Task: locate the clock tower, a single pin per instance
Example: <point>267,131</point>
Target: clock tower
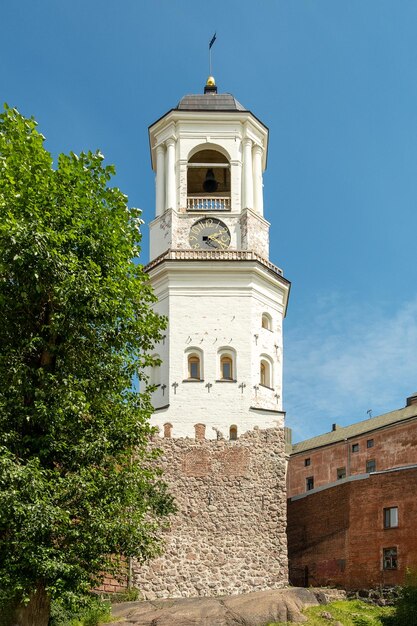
<point>218,390</point>
<point>209,246</point>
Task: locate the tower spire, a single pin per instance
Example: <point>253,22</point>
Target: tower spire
<point>210,86</point>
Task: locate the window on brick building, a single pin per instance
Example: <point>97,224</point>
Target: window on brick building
<point>309,483</point>
<point>370,466</point>
<point>391,517</point>
<point>389,560</point>
<point>307,462</point>
<point>370,443</point>
<point>355,447</point>
<point>341,473</point>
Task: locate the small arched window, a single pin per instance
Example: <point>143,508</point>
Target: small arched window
<point>266,321</point>
<point>155,377</point>
<point>265,373</point>
<point>226,363</point>
<point>226,367</point>
<point>233,433</point>
<point>194,367</point>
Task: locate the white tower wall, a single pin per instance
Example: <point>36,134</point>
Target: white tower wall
<point>213,311</point>
<point>215,299</point>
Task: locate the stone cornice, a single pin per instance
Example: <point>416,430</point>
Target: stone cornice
<point>214,255</point>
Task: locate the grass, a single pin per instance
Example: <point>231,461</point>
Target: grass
<point>347,612</point>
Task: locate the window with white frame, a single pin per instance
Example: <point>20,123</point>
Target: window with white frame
<point>266,321</point>
<point>391,517</point>
<point>194,367</point>
<point>265,372</point>
<point>390,558</point>
<point>226,367</point>
<point>193,364</point>
<point>227,364</point>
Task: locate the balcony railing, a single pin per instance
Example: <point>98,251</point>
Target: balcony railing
<point>212,203</point>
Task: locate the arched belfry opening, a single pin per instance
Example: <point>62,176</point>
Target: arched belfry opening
<point>208,181</point>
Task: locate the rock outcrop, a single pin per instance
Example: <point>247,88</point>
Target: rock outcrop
<point>251,609</point>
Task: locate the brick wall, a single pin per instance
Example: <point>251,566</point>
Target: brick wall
<point>317,535</point>
<point>338,533</point>
<point>229,533</point>
<point>393,446</point>
<point>115,585</point>
<point>111,585</point>
<point>367,536</point>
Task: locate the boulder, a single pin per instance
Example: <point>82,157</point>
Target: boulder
<point>251,609</point>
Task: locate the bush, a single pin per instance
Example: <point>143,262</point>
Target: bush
<point>405,613</point>
<point>91,612</point>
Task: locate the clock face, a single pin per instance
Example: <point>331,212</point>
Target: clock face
<point>209,234</point>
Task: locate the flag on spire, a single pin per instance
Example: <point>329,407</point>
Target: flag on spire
<point>213,39</point>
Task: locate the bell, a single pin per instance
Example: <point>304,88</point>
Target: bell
<point>210,184</point>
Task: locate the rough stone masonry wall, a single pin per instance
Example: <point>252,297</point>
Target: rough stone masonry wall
<point>228,535</point>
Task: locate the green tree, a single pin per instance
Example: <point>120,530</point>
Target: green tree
<point>77,478</point>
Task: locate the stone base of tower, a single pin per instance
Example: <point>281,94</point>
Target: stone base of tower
<point>229,534</point>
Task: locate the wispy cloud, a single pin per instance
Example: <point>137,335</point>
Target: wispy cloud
<point>350,359</point>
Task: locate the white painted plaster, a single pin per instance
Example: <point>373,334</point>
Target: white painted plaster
<point>215,306</point>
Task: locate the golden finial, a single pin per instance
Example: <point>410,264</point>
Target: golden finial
<point>210,82</point>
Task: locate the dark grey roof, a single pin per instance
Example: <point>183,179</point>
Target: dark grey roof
<point>210,102</point>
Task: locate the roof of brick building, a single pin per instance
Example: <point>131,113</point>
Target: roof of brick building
<point>340,433</point>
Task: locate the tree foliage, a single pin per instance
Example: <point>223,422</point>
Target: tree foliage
<point>77,482</point>
<point>405,611</point>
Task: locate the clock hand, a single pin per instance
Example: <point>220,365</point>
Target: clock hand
<point>216,235</point>
<point>215,240</point>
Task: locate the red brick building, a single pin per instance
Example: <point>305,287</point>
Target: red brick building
<point>352,508</point>
<point>379,443</point>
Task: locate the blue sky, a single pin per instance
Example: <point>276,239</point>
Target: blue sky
<point>336,83</point>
